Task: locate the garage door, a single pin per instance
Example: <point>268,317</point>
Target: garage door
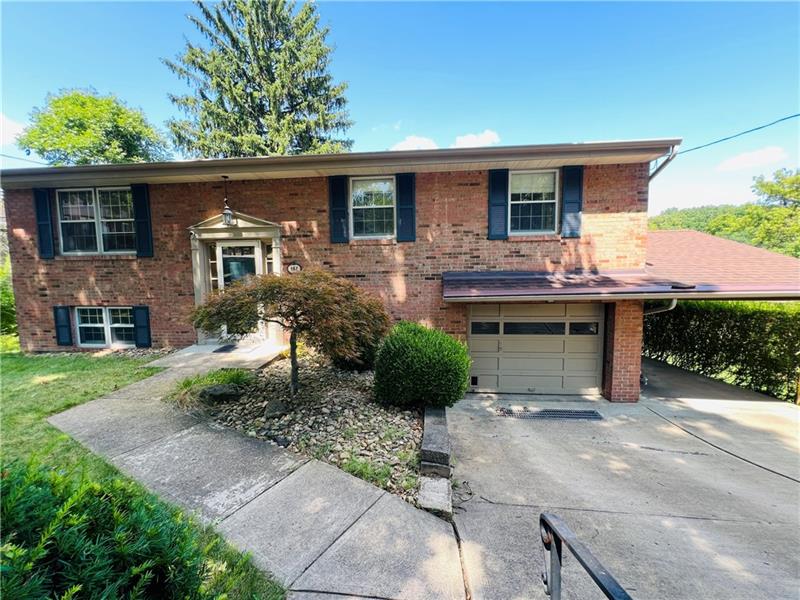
<point>536,348</point>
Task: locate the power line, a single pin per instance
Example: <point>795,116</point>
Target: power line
<point>30,160</point>
<point>730,137</point>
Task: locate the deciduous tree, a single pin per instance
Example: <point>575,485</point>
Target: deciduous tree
<point>81,127</point>
<point>331,314</point>
<point>783,189</point>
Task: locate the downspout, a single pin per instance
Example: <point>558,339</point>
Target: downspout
<point>654,310</point>
<point>673,152</point>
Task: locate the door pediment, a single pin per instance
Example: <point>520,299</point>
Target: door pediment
<point>244,226</point>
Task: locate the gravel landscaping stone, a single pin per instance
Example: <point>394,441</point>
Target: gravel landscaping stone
<point>333,418</point>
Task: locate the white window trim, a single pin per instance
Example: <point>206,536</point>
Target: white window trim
<point>106,325</point>
<point>388,236</point>
<point>98,220</point>
<point>556,221</point>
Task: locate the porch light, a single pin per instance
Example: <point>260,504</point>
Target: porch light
<point>227,213</point>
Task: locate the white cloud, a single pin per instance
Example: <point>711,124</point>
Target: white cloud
<point>472,140</point>
<point>415,142</point>
<point>9,130</point>
<point>750,160</point>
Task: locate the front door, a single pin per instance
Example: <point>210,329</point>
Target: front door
<point>231,261</point>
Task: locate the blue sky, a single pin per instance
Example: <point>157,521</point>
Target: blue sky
<point>424,75</point>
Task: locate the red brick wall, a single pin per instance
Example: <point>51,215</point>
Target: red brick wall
<point>451,236</point>
<point>623,352</point>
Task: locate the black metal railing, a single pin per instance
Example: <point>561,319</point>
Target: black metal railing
<point>555,535</point>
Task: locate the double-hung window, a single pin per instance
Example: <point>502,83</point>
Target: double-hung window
<point>96,221</point>
<point>533,202</point>
<point>101,327</point>
<point>372,207</point>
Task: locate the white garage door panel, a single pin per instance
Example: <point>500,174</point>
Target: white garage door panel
<point>582,365</point>
<point>484,345</point>
<point>531,384</point>
<point>533,310</point>
<point>485,363</point>
<point>533,345</point>
<point>581,344</point>
<point>530,363</point>
<point>536,348</point>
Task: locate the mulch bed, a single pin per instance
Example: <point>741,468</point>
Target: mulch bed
<point>333,418</point>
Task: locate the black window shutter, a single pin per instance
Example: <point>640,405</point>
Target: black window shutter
<point>498,204</point>
<point>61,314</point>
<point>406,207</point>
<point>337,194</point>
<point>44,223</point>
<point>141,326</point>
<point>141,215</point>
<point>571,201</point>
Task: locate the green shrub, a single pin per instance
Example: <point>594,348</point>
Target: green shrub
<point>91,540</point>
<point>752,344</point>
<point>8,310</point>
<point>187,390</point>
<point>417,366</point>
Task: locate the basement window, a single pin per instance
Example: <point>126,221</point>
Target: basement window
<point>100,327</point>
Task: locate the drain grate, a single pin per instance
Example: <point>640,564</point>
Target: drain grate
<point>550,413</point>
<point>226,348</point>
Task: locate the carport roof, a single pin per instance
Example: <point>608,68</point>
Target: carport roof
<point>680,264</point>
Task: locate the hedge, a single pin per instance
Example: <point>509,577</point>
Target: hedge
<point>416,366</point>
<point>751,344</point>
<point>63,539</point>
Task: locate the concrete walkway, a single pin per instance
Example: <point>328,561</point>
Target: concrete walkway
<point>319,531</point>
<point>691,493</point>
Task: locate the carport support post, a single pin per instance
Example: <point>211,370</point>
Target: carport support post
<point>623,350</point>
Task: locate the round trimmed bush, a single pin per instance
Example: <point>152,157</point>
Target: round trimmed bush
<point>416,366</point>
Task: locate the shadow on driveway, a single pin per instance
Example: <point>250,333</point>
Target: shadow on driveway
<point>691,493</point>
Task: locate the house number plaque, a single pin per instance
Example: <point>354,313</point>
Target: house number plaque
<point>294,267</point>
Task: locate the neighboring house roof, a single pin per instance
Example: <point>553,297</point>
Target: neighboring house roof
<point>680,264</point>
<point>354,163</point>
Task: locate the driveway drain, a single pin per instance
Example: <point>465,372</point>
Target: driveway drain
<point>550,413</point>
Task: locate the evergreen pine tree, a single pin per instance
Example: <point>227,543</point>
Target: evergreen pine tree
<point>261,85</point>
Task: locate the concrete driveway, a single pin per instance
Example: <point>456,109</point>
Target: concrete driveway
<point>694,492</point>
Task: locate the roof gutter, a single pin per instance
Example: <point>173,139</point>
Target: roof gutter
<point>776,295</point>
<point>673,152</point>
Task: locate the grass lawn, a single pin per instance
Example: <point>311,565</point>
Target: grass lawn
<point>35,387</point>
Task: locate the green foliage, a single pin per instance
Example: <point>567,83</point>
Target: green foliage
<point>751,344</point>
<point>261,86</point>
<point>417,366</point>
<point>364,469</point>
<point>783,189</point>
<point>9,342</point>
<point>81,127</point>
<point>775,228</point>
<point>330,314</point>
<point>8,309</point>
<point>696,218</point>
<point>187,391</point>
<point>37,386</point>
<point>104,540</point>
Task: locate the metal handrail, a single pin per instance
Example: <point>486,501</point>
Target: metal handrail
<point>555,534</point>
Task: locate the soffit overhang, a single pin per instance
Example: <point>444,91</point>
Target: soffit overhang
<point>356,163</point>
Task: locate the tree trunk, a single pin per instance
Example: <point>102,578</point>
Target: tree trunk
<point>293,386</point>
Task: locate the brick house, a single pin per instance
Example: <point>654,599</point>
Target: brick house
<point>537,256</point>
